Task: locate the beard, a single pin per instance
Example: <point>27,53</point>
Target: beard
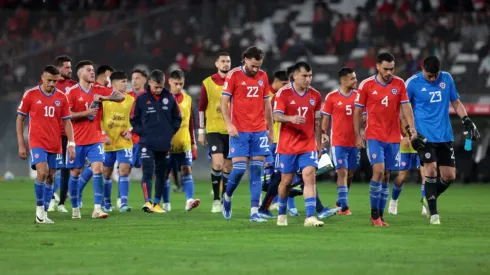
<point>224,71</point>
<point>65,76</point>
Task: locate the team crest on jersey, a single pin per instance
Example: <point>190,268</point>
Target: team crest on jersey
<point>165,101</point>
<point>57,103</point>
<point>261,83</point>
<point>394,91</point>
<point>442,85</point>
<point>67,89</point>
<point>312,102</point>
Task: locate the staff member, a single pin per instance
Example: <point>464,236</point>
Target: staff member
<point>156,119</point>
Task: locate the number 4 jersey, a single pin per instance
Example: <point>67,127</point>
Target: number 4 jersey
<point>382,104</point>
<point>295,139</point>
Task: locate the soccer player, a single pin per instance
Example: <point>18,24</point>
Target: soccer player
<point>102,75</point>
<point>246,93</point>
<point>382,95</point>
<point>84,101</point>
<point>183,144</point>
<point>212,128</point>
<point>46,106</point>
<point>117,141</point>
<point>156,119</point>
<point>297,107</point>
<point>338,110</point>
<point>430,92</point>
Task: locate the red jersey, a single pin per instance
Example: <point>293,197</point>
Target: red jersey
<point>382,104</point>
<point>45,112</point>
<point>247,99</point>
<point>134,137</point>
<point>295,139</point>
<point>340,109</point>
<point>86,131</point>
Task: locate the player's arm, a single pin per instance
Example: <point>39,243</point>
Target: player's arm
<point>226,95</point>
<point>360,104</point>
<point>407,113</point>
<point>318,132</point>
<point>19,129</point>
<point>268,116</point>
<point>203,106</point>
<point>192,130</point>
<point>326,117</point>
<point>112,96</point>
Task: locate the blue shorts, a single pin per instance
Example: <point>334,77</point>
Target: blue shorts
<point>180,159</point>
<point>92,153</point>
<point>345,157</point>
<point>249,145</point>
<point>55,161</point>
<point>270,159</point>
<point>122,156</point>
<point>409,161</point>
<point>291,164</point>
<point>136,156</point>
<point>385,152</point>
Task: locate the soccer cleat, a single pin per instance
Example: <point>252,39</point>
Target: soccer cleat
<point>393,208</point>
<point>345,212</point>
<point>75,213</point>
<point>167,207</point>
<point>266,214</point>
<point>191,204</point>
<point>293,212</point>
<point>425,207</point>
<point>52,205</point>
<point>383,222</point>
<point>118,203</point>
<point>61,208</point>
<point>147,207</point>
<point>328,212</point>
<point>107,208</point>
<point>377,222</point>
<point>46,219</point>
<point>80,204</point>
<point>424,211</point>
<point>282,220</point>
<point>256,218</point>
<point>216,206</point>
<point>125,208</point>
<point>226,209</point>
<point>56,197</point>
<point>158,209</point>
<point>274,206</point>
<point>313,221</point>
<point>434,219</point>
<point>99,214</point>
<point>39,214</point>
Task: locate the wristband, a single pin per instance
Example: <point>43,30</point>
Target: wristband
<point>71,143</point>
<point>201,131</point>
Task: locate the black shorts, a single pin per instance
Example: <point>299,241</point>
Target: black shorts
<point>440,152</point>
<point>218,143</point>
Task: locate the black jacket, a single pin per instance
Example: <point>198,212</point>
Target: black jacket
<point>156,119</point>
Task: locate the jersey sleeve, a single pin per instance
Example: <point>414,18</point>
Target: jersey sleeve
<point>65,108</point>
<point>267,92</point>
<point>361,97</point>
<point>25,105</point>
<point>453,93</point>
<point>229,85</point>
<point>403,95</point>
<point>409,87</point>
<point>327,106</point>
<point>69,97</point>
<point>279,103</point>
<point>106,91</point>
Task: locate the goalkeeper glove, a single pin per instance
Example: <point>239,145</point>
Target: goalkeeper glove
<point>418,142</point>
<point>470,130</point>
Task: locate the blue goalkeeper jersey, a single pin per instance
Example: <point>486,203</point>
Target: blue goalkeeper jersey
<point>430,102</point>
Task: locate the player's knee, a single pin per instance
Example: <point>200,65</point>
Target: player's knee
<point>124,170</point>
<point>449,177</point>
<point>75,172</point>
<point>309,174</point>
<point>97,168</point>
<point>342,173</point>
<point>42,174</point>
<point>186,170</point>
<point>218,166</point>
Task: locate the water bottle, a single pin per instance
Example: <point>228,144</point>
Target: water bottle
<point>95,104</point>
<point>467,143</point>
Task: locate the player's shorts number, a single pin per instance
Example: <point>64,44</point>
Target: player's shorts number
<point>188,154</point>
<point>348,110</point>
<point>49,111</point>
<point>435,96</point>
<point>128,153</point>
<point>397,159</point>
<point>253,91</point>
<point>264,142</point>
<point>302,111</point>
<point>384,101</point>
<point>101,150</point>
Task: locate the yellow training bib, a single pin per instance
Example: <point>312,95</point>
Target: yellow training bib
<point>214,119</point>
<point>181,142</point>
<point>115,119</point>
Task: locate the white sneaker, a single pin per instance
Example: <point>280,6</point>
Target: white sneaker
<point>46,219</point>
<point>75,213</point>
<point>99,214</point>
<point>40,214</point>
<point>61,208</point>
<point>274,206</point>
<point>52,205</point>
<point>313,221</point>
<point>393,208</point>
<point>56,197</point>
<point>191,204</point>
<point>424,211</point>
<point>434,219</point>
<point>118,204</point>
<point>216,207</point>
<point>167,207</point>
<point>282,220</point>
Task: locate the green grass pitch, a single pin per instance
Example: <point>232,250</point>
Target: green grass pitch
<point>204,243</point>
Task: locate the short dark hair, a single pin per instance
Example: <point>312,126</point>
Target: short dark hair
<point>290,70</point>
<point>118,75</point>
<point>102,69</point>
<point>388,57</point>
<point>345,71</point>
<point>82,64</point>
<point>302,64</point>
<point>140,71</point>
<point>220,54</point>
<point>281,75</point>
<point>157,76</point>
<point>253,52</point>
<point>51,69</point>
<point>59,60</point>
<point>176,74</point>
<point>432,64</point>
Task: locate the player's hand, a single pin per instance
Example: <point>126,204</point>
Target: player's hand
<point>194,152</point>
<point>23,152</point>
<point>232,131</point>
<point>325,139</point>
<point>71,152</point>
<point>99,98</point>
<point>270,135</point>
<point>413,134</point>
<point>418,143</point>
<point>91,111</point>
<point>470,129</point>
<point>201,138</point>
<point>359,142</point>
<point>107,140</point>
<point>126,134</point>
<point>298,120</point>
<point>405,142</point>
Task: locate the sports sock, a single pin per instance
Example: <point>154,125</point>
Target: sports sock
<point>374,195</point>
<point>224,179</point>
<point>123,186</point>
<point>107,191</point>
<point>275,199</point>
<point>271,194</point>
<point>215,181</point>
<point>57,181</point>
<point>98,190</point>
<point>342,193</point>
<point>48,193</point>
<point>385,192</point>
<point>319,204</point>
<point>39,191</point>
<point>291,203</point>
<point>396,191</point>
<point>65,177</point>
<point>84,179</point>
<point>188,183</point>
<point>431,194</point>
<point>161,190</point>
<point>283,206</point>
<point>256,167</point>
<point>422,190</point>
<point>74,191</point>
<point>442,186</point>
<point>236,175</point>
<point>310,206</point>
